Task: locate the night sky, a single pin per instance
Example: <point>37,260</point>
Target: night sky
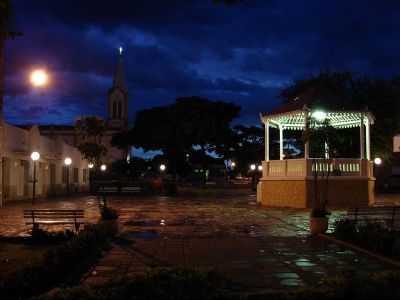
<point>244,53</point>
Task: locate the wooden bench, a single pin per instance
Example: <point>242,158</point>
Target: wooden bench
<point>36,217</point>
<point>386,215</point>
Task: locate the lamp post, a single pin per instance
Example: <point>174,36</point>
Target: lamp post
<point>253,168</point>
<point>35,156</point>
<point>90,166</point>
<point>67,162</point>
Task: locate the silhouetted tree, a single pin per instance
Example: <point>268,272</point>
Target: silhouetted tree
<point>344,90</point>
<point>177,128</point>
<point>91,130</point>
<point>245,147</point>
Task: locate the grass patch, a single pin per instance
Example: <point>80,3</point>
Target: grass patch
<point>17,255</point>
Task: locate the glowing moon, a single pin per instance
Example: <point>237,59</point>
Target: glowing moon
<point>39,78</point>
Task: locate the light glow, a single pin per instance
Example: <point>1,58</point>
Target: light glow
<point>252,167</point>
<point>163,167</point>
<point>319,115</point>
<point>35,156</point>
<point>90,165</point>
<point>378,161</point>
<point>103,167</point>
<point>39,78</point>
<point>67,161</point>
<point>260,168</point>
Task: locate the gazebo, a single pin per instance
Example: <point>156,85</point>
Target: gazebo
<point>290,182</point>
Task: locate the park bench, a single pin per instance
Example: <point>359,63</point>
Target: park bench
<point>386,215</point>
<point>48,217</point>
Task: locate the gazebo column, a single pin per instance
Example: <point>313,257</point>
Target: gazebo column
<point>266,140</point>
<point>362,138</point>
<point>307,142</point>
<point>368,137</point>
<point>281,142</point>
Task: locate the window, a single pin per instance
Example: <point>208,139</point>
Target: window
<point>119,110</point>
<point>114,110</point>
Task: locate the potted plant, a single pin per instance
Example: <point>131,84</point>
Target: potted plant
<point>319,221</point>
<point>321,133</point>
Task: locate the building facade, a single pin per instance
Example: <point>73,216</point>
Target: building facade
<point>52,175</point>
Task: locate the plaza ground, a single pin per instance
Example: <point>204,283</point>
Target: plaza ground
<point>259,249</point>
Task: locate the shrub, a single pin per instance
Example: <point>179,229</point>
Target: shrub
<point>162,284</point>
<point>372,235</point>
<point>64,264</point>
<point>108,213</point>
<point>40,236</point>
<point>185,284</point>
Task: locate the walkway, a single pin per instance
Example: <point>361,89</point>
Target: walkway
<point>258,249</point>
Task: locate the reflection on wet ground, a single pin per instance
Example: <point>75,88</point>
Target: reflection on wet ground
<point>259,249</point>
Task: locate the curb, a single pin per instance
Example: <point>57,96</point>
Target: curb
<point>362,250</point>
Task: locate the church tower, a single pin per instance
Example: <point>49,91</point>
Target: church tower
<point>118,98</point>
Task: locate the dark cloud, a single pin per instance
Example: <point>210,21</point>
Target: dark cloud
<point>243,53</point>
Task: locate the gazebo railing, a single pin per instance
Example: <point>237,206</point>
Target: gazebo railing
<point>308,167</point>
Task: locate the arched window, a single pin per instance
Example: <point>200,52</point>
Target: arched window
<point>114,110</point>
<point>119,110</point>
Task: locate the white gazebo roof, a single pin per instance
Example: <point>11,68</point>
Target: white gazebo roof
<point>296,119</point>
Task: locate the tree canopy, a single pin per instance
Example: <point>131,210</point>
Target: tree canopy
<point>177,128</point>
<point>90,130</point>
<point>344,90</point>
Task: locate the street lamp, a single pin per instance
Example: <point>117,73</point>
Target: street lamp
<point>67,162</point>
<point>252,167</point>
<point>39,78</point>
<point>90,165</point>
<point>378,161</point>
<point>35,156</point>
<point>103,167</point>
<point>163,167</point>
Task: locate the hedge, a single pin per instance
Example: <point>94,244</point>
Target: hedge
<point>61,265</point>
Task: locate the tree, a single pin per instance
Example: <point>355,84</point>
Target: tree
<point>344,90</point>
<point>246,147</point>
<point>177,128</point>
<point>91,130</point>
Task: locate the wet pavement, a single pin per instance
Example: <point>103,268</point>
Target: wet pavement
<point>259,249</point>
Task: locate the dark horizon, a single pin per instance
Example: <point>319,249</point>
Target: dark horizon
<point>243,53</point>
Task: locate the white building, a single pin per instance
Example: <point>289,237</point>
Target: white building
<point>16,166</point>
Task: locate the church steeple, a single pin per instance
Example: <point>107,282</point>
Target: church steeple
<point>119,76</point>
<point>118,98</point>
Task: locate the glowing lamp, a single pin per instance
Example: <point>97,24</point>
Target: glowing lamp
<point>68,161</point>
<point>319,115</point>
<point>35,156</point>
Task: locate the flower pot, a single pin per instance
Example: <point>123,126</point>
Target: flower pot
<point>318,225</point>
